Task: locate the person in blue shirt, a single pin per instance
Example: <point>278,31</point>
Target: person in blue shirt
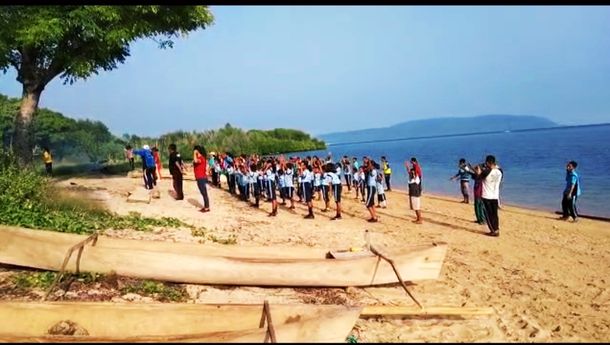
<point>571,192</point>
<point>148,166</point>
<point>463,174</point>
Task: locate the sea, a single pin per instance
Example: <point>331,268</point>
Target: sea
<point>533,161</point>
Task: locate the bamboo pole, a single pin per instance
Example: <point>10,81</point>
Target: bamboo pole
<point>402,283</point>
<point>80,246</point>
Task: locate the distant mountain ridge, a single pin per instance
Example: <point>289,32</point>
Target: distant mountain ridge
<point>442,126</point>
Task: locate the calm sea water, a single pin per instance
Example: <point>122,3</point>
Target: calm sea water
<point>533,163</point>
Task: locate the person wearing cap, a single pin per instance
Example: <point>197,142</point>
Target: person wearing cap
<point>148,166</point>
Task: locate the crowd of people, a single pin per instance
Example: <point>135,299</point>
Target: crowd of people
<point>253,178</point>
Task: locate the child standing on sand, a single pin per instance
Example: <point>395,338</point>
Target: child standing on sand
<point>371,190</point>
<point>317,176</point>
<point>463,174</point>
<point>325,187</point>
<point>335,180</point>
<point>381,199</point>
<point>306,178</point>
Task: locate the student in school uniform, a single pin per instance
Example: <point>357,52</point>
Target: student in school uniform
<point>289,183</point>
<point>336,187</point>
<point>317,176</point>
<point>270,171</point>
<point>381,199</point>
<point>371,184</point>
<point>325,186</point>
<point>347,172</point>
<point>306,179</point>
<point>361,182</point>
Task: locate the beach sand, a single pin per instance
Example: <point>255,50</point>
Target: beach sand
<point>546,279</point>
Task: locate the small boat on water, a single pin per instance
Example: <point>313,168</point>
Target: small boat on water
<point>126,322</point>
<point>219,264</point>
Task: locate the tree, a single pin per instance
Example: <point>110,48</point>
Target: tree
<point>75,42</point>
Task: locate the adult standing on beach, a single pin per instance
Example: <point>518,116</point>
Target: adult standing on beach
<point>463,174</point>
<point>158,165</point>
<point>571,192</point>
<point>414,193</point>
<point>418,172</point>
<point>479,209</point>
<point>176,169</point>
<point>128,151</point>
<point>387,173</point>
<point>148,166</point>
<point>200,170</point>
<point>47,158</point>
<point>491,193</point>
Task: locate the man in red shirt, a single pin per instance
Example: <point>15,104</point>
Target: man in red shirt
<point>200,170</point>
<point>417,172</point>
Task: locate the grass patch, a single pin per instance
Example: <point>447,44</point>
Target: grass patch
<point>200,232</point>
<point>31,280</point>
<point>27,199</point>
<point>164,292</point>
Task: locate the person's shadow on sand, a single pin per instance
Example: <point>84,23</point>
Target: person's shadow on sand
<point>194,202</point>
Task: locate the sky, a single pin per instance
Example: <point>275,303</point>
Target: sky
<point>327,69</point>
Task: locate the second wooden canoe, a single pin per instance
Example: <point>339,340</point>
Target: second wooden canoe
<point>200,264</point>
<point>113,322</point>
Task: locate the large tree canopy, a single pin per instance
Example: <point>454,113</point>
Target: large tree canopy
<point>74,42</point>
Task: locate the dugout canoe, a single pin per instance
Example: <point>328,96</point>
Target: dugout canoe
<point>223,265</point>
<point>126,322</point>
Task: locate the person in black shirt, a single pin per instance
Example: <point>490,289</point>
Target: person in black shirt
<point>176,169</point>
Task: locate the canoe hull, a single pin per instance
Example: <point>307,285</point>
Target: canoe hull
<point>24,321</point>
<point>192,263</point>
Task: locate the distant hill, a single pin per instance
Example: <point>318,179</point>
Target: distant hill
<point>442,126</point>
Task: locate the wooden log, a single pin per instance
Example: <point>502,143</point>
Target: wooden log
<point>390,310</point>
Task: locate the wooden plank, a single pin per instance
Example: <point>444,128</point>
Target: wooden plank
<point>390,310</point>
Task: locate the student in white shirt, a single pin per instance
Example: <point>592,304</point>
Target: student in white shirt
<point>306,180</point>
<point>371,190</point>
<point>492,176</point>
<point>335,180</point>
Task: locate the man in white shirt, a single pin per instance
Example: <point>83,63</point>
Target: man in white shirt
<point>491,193</point>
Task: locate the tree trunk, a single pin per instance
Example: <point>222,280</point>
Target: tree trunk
<point>23,140</point>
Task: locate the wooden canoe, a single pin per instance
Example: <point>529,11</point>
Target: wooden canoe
<point>223,265</point>
<point>112,322</point>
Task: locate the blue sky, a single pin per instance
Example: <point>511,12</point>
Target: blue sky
<point>327,69</point>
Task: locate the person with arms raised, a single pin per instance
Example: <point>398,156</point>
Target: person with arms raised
<point>201,176</point>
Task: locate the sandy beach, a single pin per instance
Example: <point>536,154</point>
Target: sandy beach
<point>545,279</point>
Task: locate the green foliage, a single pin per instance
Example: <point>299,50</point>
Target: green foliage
<point>26,199</point>
<point>29,280</point>
<point>352,339</point>
<point>67,138</point>
<point>75,42</point>
<point>234,140</point>
<point>162,291</point>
